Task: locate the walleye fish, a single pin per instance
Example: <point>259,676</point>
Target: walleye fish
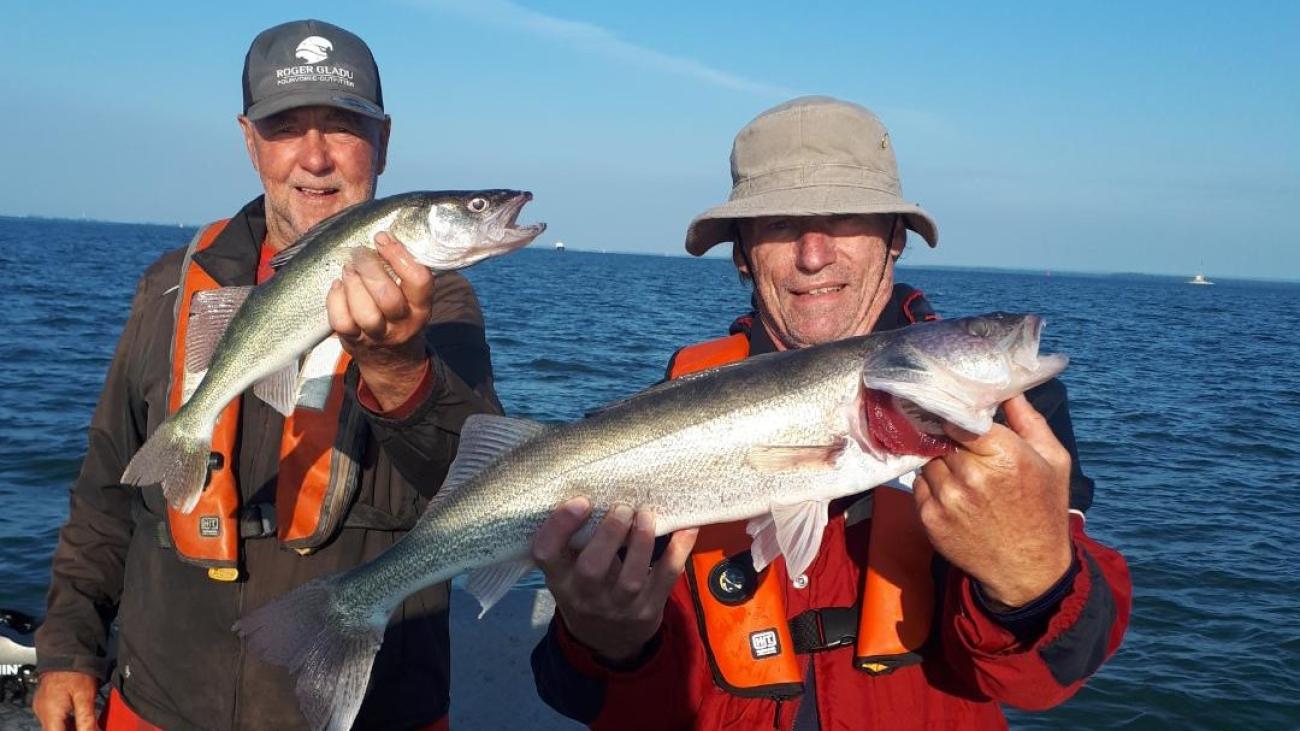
<point>772,439</point>
<point>255,335</point>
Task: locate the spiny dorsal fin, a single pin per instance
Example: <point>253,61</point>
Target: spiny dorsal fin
<point>483,440</point>
<point>289,252</point>
<point>286,255</point>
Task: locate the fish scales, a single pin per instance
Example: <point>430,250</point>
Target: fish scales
<point>678,451</point>
<point>770,439</point>
<point>285,317</point>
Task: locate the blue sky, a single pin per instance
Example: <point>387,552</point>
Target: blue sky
<point>1154,137</point>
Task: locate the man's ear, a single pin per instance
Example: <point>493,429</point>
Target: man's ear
<point>250,135</point>
<point>384,130</point>
<point>738,258</point>
<point>898,239</point>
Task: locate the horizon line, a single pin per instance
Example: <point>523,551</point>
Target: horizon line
<point>569,248</point>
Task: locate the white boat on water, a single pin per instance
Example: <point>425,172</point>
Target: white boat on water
<point>559,246</point>
<point>1199,279</point>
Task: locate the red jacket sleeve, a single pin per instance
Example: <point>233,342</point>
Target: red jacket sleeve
<point>661,691</point>
<point>1085,629</point>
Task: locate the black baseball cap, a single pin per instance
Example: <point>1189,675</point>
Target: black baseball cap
<point>308,63</point>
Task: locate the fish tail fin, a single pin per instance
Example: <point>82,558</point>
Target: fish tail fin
<point>327,649</point>
<point>175,457</point>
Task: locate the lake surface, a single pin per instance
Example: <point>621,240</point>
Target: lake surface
<point>1185,403</point>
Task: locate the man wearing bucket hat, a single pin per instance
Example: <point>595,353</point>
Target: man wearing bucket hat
<point>324,489</point>
<point>920,611</point>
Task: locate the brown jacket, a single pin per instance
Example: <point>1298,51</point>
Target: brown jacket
<point>179,665</point>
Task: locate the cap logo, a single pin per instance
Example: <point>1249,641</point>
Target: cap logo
<point>314,49</point>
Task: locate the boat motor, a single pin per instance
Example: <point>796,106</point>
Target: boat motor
<point>17,656</point>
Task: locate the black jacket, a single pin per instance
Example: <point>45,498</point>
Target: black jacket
<point>179,664</point>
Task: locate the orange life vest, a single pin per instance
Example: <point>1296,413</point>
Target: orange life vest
<point>742,617</point>
<point>319,462</point>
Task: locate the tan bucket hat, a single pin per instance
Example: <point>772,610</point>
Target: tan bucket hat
<point>811,156</point>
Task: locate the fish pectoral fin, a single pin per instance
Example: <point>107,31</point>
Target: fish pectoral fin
<point>765,549</point>
<point>483,439</point>
<point>799,529</point>
<point>316,377</point>
<point>211,311</point>
<point>279,389</point>
<point>768,458</point>
<point>489,583</point>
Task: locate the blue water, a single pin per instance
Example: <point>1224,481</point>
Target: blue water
<point>1184,399</point>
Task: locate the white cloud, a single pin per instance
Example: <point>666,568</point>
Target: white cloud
<point>596,40</point>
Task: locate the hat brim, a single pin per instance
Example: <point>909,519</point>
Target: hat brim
<point>718,224</point>
<point>314,98</point>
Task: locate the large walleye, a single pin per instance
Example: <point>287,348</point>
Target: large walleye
<point>255,335</point>
<point>772,439</point>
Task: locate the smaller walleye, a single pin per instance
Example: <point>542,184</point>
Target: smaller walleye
<point>263,330</point>
<point>772,439</point>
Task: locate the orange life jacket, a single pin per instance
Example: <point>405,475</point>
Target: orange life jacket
<point>742,617</point>
<point>318,471</point>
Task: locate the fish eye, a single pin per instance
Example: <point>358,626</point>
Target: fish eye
<point>478,205</point>
<point>979,328</point>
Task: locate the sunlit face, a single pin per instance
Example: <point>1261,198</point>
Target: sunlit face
<point>313,162</point>
<point>819,278</point>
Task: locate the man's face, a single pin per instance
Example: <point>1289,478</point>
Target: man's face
<point>819,278</point>
<point>313,162</point>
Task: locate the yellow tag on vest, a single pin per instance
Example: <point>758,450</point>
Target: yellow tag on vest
<point>224,574</point>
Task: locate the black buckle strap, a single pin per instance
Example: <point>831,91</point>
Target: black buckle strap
<point>818,630</point>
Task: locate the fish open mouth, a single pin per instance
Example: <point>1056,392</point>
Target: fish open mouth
<point>505,229</point>
<point>899,426</point>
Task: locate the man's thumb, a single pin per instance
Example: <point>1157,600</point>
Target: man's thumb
<point>1025,420</point>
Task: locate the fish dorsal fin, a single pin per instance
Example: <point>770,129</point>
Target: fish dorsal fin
<point>279,389</point>
<point>211,311</point>
<point>286,255</point>
<point>489,583</point>
<point>799,529</point>
<point>483,439</point>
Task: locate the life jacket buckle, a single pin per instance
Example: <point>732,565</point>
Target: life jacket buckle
<point>818,630</point>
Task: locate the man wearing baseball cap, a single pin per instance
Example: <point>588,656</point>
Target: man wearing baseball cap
<point>288,499</point>
<point>922,610</point>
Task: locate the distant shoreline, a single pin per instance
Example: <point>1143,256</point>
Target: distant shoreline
<point>570,249</point>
